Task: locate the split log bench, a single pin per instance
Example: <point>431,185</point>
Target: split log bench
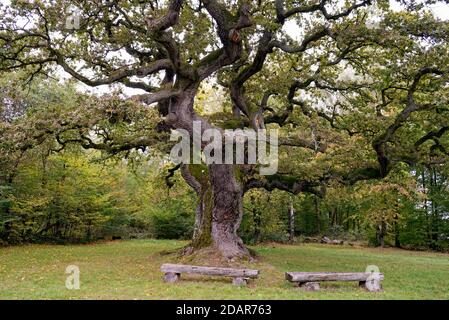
<point>309,280</point>
<point>240,276</point>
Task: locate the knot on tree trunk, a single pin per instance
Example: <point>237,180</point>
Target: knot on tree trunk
<point>234,36</point>
<point>171,118</point>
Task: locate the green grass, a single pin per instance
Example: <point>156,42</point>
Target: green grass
<point>130,270</point>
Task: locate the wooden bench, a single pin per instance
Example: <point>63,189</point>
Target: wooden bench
<point>309,280</point>
<point>240,276</point>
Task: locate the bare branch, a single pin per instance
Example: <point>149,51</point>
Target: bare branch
<point>157,96</point>
<point>305,43</point>
<point>401,118</point>
<point>168,20</point>
<point>282,14</point>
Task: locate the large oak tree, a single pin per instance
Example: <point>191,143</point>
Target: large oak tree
<point>354,87</point>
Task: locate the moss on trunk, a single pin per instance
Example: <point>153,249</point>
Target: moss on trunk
<point>203,222</point>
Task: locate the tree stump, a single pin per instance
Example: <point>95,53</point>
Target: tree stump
<point>171,277</point>
<point>239,281</point>
<point>310,286</point>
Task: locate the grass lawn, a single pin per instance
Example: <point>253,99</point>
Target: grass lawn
<point>130,270</point>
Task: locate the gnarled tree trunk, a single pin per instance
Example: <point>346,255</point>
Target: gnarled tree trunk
<point>227,211</point>
<point>220,195</point>
<point>219,210</point>
<point>197,176</point>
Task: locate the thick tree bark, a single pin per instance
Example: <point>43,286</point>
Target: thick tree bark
<point>227,211</point>
<point>220,197</point>
<point>197,177</point>
<point>203,221</point>
<point>219,210</point>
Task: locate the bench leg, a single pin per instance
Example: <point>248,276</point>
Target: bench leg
<point>309,286</point>
<point>171,277</point>
<point>372,285</point>
<point>239,281</point>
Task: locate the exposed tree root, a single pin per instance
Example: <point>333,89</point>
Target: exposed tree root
<point>210,256</point>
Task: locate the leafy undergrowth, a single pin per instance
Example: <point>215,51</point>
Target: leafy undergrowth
<point>130,270</point>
